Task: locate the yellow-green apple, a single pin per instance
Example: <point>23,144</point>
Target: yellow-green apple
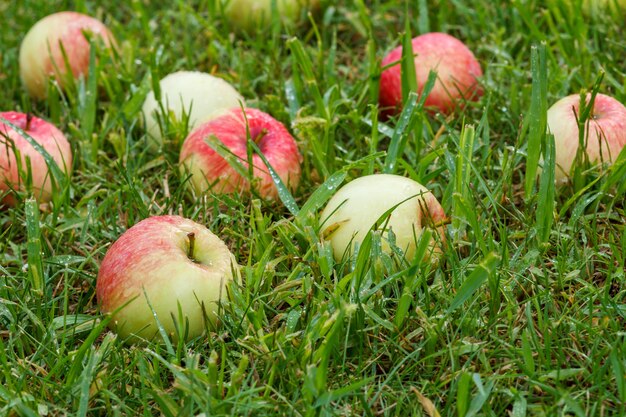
<point>31,166</point>
<point>254,15</point>
<point>602,7</point>
<point>605,131</point>
<point>356,207</point>
<point>51,41</point>
<point>161,266</point>
<point>456,67</point>
<point>198,95</point>
<point>210,171</point>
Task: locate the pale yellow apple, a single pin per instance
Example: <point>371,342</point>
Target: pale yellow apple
<point>252,15</point>
<point>358,205</point>
<point>199,95</point>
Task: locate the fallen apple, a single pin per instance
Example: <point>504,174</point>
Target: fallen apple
<point>198,95</point>
<point>456,67</point>
<point>166,267</point>
<point>602,7</point>
<point>356,207</point>
<point>211,171</point>
<point>55,46</point>
<point>31,166</point>
<point>605,131</point>
<point>253,15</point>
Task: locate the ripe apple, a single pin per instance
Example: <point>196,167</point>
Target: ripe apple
<point>199,95</point>
<point>605,131</point>
<point>600,7</point>
<point>253,15</point>
<point>41,55</point>
<point>209,170</point>
<point>48,136</point>
<point>169,263</point>
<point>356,207</point>
<point>457,73</point>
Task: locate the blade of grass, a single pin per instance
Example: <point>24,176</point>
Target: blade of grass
<point>471,284</point>
<point>537,116</point>
<point>35,263</point>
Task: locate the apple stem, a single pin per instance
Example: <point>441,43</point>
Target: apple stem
<point>260,136</point>
<point>192,243</point>
<point>29,118</point>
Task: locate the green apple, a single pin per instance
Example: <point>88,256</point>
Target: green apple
<point>253,15</point>
<point>199,95</point>
<point>598,7</point>
<point>356,207</point>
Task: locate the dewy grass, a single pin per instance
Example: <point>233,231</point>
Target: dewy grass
<point>524,316</point>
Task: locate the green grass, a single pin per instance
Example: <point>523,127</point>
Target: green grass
<point>525,315</point>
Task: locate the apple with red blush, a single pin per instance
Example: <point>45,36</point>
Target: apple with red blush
<point>211,171</point>
<point>56,47</point>
<point>20,161</point>
<point>605,131</point>
<point>165,268</point>
<point>457,70</point>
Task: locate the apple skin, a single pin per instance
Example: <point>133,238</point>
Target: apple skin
<point>251,15</point>
<point>49,137</point>
<point>210,171</point>
<point>356,207</point>
<point>598,7</point>
<point>200,95</point>
<point>606,131</point>
<point>456,66</point>
<point>41,55</point>
<point>151,259</point>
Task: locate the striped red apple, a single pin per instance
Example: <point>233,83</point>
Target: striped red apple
<point>31,164</point>
<point>210,171</point>
<point>457,71</point>
<point>165,268</point>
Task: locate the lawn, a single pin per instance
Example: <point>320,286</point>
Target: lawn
<point>524,314</point>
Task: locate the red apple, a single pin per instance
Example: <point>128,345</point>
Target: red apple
<point>605,131</point>
<point>41,55</point>
<point>167,262</point>
<point>457,73</point>
<point>210,171</point>
<point>358,205</point>
<point>44,133</point>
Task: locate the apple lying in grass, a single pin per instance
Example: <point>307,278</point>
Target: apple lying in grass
<point>57,47</point>
<point>605,131</point>
<point>166,266</point>
<point>601,7</point>
<point>357,206</point>
<point>456,67</point>
<point>198,95</point>
<point>211,171</point>
<point>31,167</point>
<point>253,15</point>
